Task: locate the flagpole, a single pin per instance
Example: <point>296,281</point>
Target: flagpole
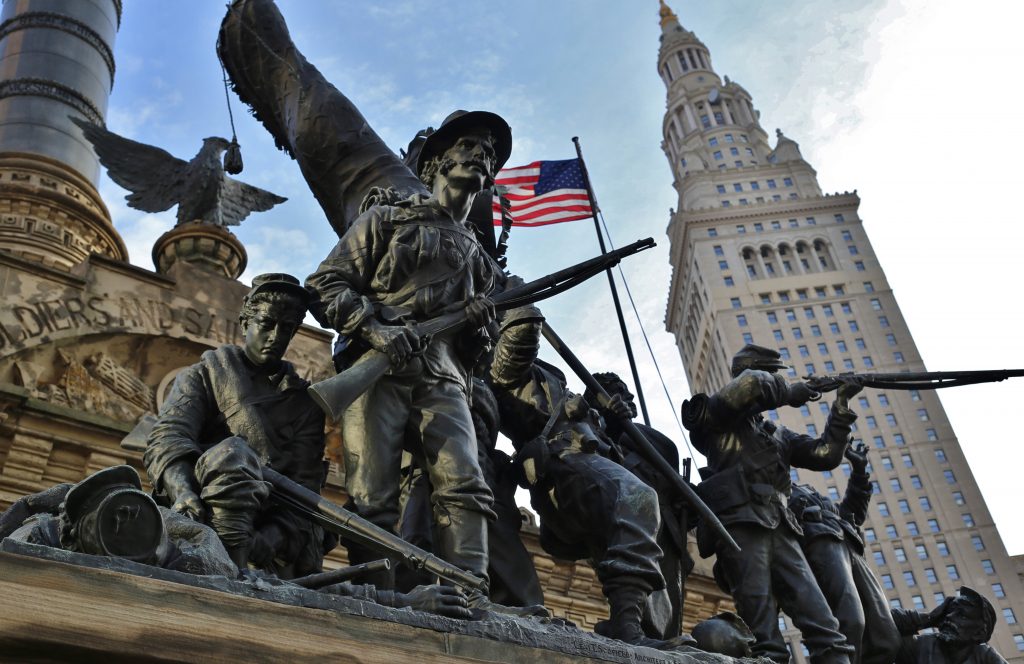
<point>611,284</point>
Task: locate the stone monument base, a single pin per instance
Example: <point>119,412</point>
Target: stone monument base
<point>61,606</point>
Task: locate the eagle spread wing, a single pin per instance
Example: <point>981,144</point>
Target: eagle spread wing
<point>238,199</point>
<point>155,178</point>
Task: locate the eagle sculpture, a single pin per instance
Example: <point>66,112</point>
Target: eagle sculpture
<point>158,180</point>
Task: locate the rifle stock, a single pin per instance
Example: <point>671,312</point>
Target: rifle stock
<point>335,394</point>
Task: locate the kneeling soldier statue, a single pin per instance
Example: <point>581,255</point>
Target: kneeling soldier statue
<point>236,410</point>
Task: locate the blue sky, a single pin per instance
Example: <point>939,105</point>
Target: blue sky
<point>914,103</point>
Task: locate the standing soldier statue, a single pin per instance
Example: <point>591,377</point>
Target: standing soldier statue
<point>834,548</point>
<point>747,485</point>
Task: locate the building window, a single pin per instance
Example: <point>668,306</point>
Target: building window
<point>883,321</point>
<point>908,578</point>
<point>721,188</point>
<point>930,433</point>
<point>713,141</point>
<point>734,302</point>
<point>929,574</point>
<point>986,565</point>
<point>922,551</point>
<point>883,508</point>
<point>732,151</point>
<point>848,364</point>
<point>977,543</point>
<point>886,461</point>
<point>922,414</point>
<point>729,281</point>
<point>783,296</point>
<point>853,326</point>
<point>830,367</point>
<point>852,249</point>
<point>758,227</point>
<point>741,229</point>
<point>1018,639</point>
<point>1008,614</point>
<point>879,442</point>
<point>845,306</point>
<point>787,182</point>
<point>797,333</point>
<point>833,493</point>
<point>918,602</point>
<point>968,519</point>
<point>838,217</point>
<point>926,504</point>
<point>723,265</point>
<point>726,204</point>
<point>741,320</point>
<point>887,582</point>
<point>873,424</point>
<point>784,353</point>
<point>748,338</point>
<point>890,419</point>
<point>777,334</point>
<point>827,309</point>
<point>712,232</point>
<point>952,572</point>
<point>736,185</point>
<point>897,357</point>
<point>997,591</point>
<point>859,343</point>
<point>879,558</point>
<point>811,221</point>
<point>812,430</point>
<point>847,236</point>
<point>816,332</point>
<point>958,498</point>
<point>883,400</point>
<point>869,287</point>
<point>943,549</point>
<point>908,461</point>
<point>772,317</point>
<point>717,154</point>
<point>933,526</point>
<point>876,304</point>
<point>912,529</point>
<point>915,481</point>
<point>890,532</point>
<point>949,475</point>
<point>900,553</point>
<point>790,315</point>
<point>805,410</point>
<point>771,184</point>
<point>891,340</point>
<point>859,265</point>
<point>868,362</point>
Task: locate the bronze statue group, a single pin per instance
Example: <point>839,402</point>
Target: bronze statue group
<point>419,443</point>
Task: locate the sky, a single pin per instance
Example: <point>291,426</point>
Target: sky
<point>913,103</point>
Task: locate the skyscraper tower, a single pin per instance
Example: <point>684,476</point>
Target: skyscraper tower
<point>761,255</point>
<point>56,61</point>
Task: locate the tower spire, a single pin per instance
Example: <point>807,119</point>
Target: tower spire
<point>667,15</point>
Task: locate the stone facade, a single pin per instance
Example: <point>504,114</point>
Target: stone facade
<point>761,255</point>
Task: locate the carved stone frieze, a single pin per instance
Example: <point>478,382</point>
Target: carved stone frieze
<point>41,87</point>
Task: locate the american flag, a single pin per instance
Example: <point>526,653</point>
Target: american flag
<point>541,193</point>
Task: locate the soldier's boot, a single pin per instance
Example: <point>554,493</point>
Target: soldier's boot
<point>462,541</point>
<point>626,608</point>
<point>235,530</point>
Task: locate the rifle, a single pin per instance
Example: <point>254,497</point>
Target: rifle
<point>919,380</point>
<point>336,393</point>
<point>643,446</point>
<point>340,521</point>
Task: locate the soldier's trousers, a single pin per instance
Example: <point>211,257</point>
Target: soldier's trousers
<point>232,484</point>
<point>593,508</point>
<point>770,574</point>
<point>432,418</point>
<point>856,598</point>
